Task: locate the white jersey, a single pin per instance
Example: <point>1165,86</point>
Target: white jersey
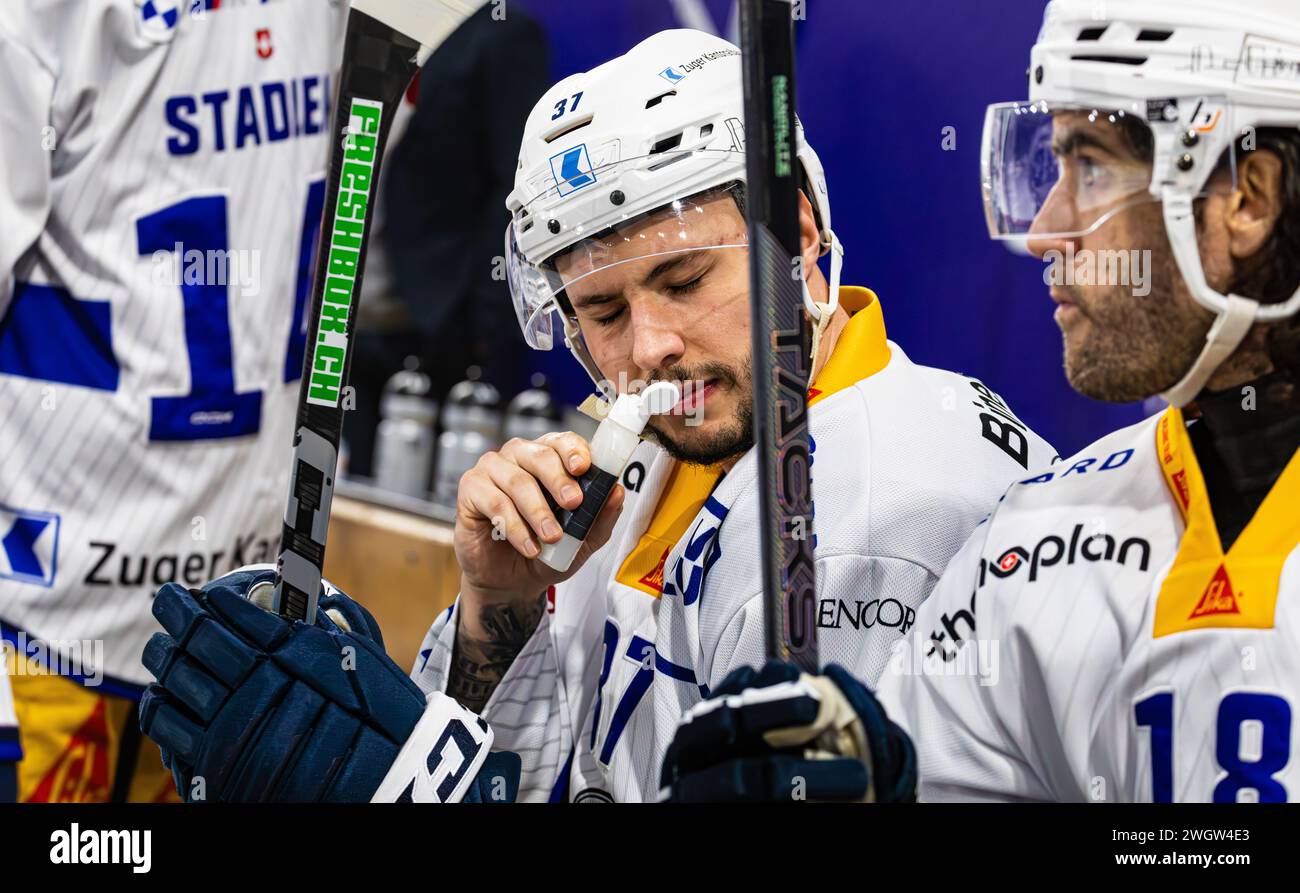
<point>161,186</point>
<point>1093,641</point>
<point>906,460</point>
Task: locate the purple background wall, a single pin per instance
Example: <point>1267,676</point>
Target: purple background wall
<point>878,83</point>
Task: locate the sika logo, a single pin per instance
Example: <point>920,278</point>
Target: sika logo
<point>264,48</point>
<point>80,773</point>
<point>655,578</point>
<point>1218,597</point>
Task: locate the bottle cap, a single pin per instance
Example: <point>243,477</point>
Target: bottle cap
<point>633,411</point>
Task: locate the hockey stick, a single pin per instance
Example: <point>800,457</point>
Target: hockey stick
<point>387,43</point>
<point>781,342</point>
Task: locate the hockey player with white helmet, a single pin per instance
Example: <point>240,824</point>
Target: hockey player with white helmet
<point>627,240</point>
<point>1125,625</point>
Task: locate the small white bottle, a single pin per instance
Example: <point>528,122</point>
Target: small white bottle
<point>611,448</point>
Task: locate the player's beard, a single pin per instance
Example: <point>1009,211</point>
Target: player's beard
<point>732,439</point>
<point>1125,347</point>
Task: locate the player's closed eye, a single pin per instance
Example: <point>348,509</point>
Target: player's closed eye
<point>686,288</point>
<point>676,290</point>
<point>609,319</point>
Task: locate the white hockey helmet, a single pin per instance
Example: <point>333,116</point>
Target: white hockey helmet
<point>1198,74</point>
<point>644,134</point>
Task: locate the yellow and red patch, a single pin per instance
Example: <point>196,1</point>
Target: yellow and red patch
<point>1207,587</point>
<point>72,739</point>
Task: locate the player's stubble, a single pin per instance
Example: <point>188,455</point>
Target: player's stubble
<point>1120,347</point>
<point>727,439</point>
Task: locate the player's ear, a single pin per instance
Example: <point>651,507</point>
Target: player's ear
<point>1255,207</point>
<point>809,236</point>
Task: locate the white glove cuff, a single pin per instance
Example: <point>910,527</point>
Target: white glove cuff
<point>442,757</point>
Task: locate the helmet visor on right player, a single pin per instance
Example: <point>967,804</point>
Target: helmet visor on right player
<point>558,263</point>
<point>1058,170</point>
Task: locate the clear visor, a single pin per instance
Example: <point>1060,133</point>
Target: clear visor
<point>1062,171</point>
<point>658,249</point>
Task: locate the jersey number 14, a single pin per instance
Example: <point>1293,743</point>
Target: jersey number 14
<point>55,336</point>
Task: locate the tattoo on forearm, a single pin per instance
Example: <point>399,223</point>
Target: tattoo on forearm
<point>478,665</point>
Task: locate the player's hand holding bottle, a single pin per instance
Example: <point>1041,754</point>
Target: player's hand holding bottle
<point>777,734</point>
<point>503,517</point>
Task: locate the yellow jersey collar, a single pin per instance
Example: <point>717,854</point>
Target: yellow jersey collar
<point>860,351</point>
<point>1206,586</point>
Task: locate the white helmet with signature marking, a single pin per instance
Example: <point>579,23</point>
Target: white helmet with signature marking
<point>650,132</point>
<point>1194,77</point>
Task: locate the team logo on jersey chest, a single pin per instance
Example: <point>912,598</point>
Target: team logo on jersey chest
<point>265,49</point>
<point>701,552</point>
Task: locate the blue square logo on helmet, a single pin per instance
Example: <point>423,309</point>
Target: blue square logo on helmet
<point>29,545</point>
<point>572,170</point>
<point>672,74</point>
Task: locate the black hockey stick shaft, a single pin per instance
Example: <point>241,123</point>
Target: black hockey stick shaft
<point>781,341</point>
<point>379,61</point>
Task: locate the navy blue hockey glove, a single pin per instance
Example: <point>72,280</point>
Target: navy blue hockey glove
<point>249,707</point>
<point>777,735</point>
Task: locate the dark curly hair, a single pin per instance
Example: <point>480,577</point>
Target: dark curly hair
<point>1272,274</point>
